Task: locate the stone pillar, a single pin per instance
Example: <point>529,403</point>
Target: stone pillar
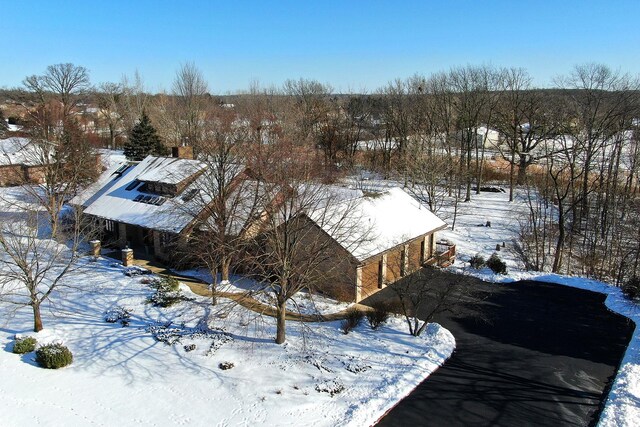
<point>95,247</point>
<point>358,284</point>
<point>383,271</point>
<point>127,257</point>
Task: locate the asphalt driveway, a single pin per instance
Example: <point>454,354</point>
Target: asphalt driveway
<point>539,354</point>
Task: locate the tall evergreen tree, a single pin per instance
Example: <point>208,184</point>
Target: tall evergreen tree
<point>144,141</point>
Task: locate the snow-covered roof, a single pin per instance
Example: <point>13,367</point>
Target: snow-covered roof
<point>20,151</point>
<point>371,225</point>
<point>117,194</point>
<point>168,170</point>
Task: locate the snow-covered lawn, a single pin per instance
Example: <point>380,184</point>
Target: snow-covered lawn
<point>125,376</point>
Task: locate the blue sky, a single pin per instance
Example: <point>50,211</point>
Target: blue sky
<point>352,45</point>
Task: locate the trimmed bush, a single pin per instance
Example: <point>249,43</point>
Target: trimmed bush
<point>167,292</point>
<point>496,264</point>
<point>631,288</point>
<point>353,319</point>
<point>53,356</point>
<point>24,345</point>
<point>378,315</point>
<point>477,261</point>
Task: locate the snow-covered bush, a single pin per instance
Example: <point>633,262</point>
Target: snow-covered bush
<point>116,314</point>
<point>226,365</point>
<point>167,292</point>
<point>477,261</point>
<point>496,264</point>
<point>24,345</point>
<point>134,270</point>
<point>631,288</point>
<point>352,320</point>
<point>332,387</point>
<point>53,356</point>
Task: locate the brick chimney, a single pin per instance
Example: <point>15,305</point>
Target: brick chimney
<point>183,152</point>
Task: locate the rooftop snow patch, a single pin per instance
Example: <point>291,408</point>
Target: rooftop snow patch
<point>168,170</point>
<point>20,151</point>
<point>378,223</point>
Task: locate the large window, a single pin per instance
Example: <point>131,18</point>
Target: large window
<point>110,226</point>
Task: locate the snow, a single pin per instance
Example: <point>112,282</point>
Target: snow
<point>128,376</point>
<point>123,376</point>
<point>167,170</point>
<point>379,222</point>
<point>19,151</point>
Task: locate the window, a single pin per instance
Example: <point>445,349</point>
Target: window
<point>150,200</point>
<point>133,184</point>
<point>380,273</point>
<point>110,226</point>
<point>122,169</point>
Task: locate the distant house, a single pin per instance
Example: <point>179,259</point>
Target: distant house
<point>148,205</point>
<point>21,161</point>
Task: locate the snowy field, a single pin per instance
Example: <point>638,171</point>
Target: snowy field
<point>164,367</point>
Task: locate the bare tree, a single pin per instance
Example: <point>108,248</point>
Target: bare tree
<point>425,294</point>
<point>66,83</point>
<point>227,200</point>
<point>191,92</point>
<point>110,97</point>
<point>523,119</point>
<point>33,266</point>
<point>305,226</point>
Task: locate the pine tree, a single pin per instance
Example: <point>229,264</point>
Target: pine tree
<point>144,141</point>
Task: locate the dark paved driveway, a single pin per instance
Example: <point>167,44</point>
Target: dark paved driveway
<point>544,355</point>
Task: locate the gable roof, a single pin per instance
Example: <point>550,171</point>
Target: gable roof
<point>117,197</point>
<point>377,223</point>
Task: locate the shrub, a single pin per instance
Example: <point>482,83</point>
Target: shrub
<point>118,314</point>
<point>477,261</point>
<point>378,315</point>
<point>352,320</point>
<point>496,264</point>
<point>631,288</point>
<point>53,356</point>
<point>226,365</point>
<point>167,292</point>
<point>24,345</point>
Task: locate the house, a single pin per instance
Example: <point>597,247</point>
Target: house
<point>369,241</point>
<point>150,205</point>
<point>395,236</point>
<point>21,162</point>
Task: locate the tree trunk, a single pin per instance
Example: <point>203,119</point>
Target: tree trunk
<point>512,168</point>
<point>281,314</point>
<point>37,318</point>
<point>214,287</point>
<point>557,258</point>
<point>226,264</point>
<point>522,170</point>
